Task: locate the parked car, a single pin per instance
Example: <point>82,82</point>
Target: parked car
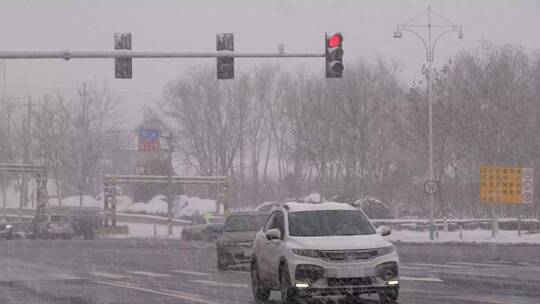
<point>84,220</point>
<point>7,231</point>
<point>234,245</point>
<point>205,228</point>
<point>306,250</point>
<point>50,226</point>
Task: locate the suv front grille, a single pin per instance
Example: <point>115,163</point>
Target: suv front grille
<point>336,282</point>
<point>349,255</point>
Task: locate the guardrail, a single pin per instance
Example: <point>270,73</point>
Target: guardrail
<point>455,224</point>
<point>504,223</point>
<point>28,214</point>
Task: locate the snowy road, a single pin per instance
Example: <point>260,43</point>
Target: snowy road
<point>166,271</point>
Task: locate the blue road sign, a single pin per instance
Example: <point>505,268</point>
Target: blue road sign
<point>149,134</point>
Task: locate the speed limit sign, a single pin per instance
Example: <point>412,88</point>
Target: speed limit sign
<point>431,187</point>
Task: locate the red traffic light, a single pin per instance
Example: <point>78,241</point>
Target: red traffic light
<point>335,41</point>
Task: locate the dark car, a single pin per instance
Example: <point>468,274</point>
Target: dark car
<point>50,226</point>
<point>234,245</point>
<point>7,231</point>
<point>205,228</point>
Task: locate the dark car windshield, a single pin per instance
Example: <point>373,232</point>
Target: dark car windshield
<point>59,218</point>
<point>245,222</point>
<point>216,220</point>
<point>329,222</point>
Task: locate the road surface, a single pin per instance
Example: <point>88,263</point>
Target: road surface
<point>168,271</point>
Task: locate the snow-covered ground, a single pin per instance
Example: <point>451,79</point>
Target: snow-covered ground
<point>139,230</point>
<point>468,236</point>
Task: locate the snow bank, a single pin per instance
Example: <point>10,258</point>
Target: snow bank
<point>312,198</point>
<point>123,202</point>
<point>185,206</point>
<point>157,205</point>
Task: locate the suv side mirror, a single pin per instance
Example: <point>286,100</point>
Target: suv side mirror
<point>273,234</point>
<point>384,230</point>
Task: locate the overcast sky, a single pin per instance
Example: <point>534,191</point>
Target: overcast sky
<point>258,25</point>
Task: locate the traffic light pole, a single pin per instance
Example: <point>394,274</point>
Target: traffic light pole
<point>67,54</point>
<point>123,55</point>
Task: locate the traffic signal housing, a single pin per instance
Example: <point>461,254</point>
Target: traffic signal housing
<point>122,66</point>
<point>334,55</point>
<point>225,64</point>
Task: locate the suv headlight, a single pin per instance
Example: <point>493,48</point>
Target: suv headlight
<point>308,253</point>
<point>386,250</point>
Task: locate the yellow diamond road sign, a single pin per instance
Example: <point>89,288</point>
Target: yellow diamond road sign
<point>506,185</point>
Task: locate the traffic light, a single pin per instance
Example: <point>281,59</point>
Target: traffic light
<point>334,55</point>
<point>225,64</point>
<point>122,66</point>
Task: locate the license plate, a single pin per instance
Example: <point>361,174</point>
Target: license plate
<point>348,272</point>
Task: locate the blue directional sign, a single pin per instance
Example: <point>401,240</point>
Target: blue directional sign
<point>149,134</point>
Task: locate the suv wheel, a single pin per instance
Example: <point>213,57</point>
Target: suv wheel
<point>389,295</point>
<point>260,292</point>
<point>288,293</point>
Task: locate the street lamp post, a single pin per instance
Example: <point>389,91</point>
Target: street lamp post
<point>429,45</point>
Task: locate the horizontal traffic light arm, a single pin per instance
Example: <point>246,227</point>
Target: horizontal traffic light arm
<point>67,54</point>
<point>21,168</point>
<point>163,179</point>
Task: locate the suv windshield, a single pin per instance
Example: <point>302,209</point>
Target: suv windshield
<point>329,222</point>
<point>244,222</point>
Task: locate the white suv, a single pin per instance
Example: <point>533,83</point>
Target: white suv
<point>316,250</point>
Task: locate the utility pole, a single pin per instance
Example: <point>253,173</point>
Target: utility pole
<point>3,143</point>
<point>170,200</point>
<point>446,28</point>
<point>83,139</point>
<point>23,198</point>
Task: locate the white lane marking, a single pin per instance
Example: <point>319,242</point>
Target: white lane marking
<point>437,265</point>
<point>168,293</point>
<point>420,279</point>
<point>109,275</point>
<point>220,284</point>
<point>64,276</point>
<point>412,268</point>
<point>478,264</point>
<point>151,274</point>
<point>191,272</point>
<point>480,274</point>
